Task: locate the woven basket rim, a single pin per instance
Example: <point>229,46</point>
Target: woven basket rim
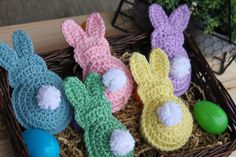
<point>117,43</point>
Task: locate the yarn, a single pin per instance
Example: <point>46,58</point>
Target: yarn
<point>114,79</point>
<point>49,97</point>
<point>38,97</point>
<point>156,91</point>
<point>168,35</point>
<point>92,53</point>
<point>180,67</point>
<point>104,135</point>
<point>121,142</point>
<point>169,113</point>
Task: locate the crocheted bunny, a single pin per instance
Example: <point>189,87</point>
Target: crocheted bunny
<point>38,97</point>
<point>168,35</point>
<point>92,53</point>
<point>104,135</point>
<point>166,122</point>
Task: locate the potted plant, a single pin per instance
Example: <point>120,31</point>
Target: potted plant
<point>212,14</point>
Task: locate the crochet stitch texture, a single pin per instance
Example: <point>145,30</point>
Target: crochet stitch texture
<point>94,114</point>
<point>168,35</point>
<point>27,73</point>
<point>155,89</point>
<point>92,53</point>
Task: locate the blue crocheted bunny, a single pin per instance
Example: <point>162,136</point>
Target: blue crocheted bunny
<point>38,97</point>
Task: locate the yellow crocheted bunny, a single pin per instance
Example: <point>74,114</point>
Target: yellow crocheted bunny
<point>166,122</point>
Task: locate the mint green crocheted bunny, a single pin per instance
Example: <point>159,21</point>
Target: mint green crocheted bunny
<point>104,135</point>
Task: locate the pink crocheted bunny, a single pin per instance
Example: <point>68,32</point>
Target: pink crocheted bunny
<point>168,35</point>
<point>92,53</point>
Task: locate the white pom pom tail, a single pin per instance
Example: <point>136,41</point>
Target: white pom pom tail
<point>49,97</point>
<point>121,142</point>
<point>180,67</point>
<point>169,113</point>
<point>114,79</point>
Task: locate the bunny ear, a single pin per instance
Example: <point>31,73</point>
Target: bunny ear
<point>180,17</point>
<point>94,85</point>
<point>22,43</point>
<point>95,26</point>
<point>8,57</point>
<point>140,68</point>
<point>73,33</point>
<point>75,91</point>
<point>159,63</point>
<point>157,16</point>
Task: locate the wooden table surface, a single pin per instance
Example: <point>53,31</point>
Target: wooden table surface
<point>47,36</point>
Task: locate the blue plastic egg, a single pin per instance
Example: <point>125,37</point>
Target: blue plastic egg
<point>40,143</point>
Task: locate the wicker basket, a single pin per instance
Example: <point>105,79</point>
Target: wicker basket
<point>61,61</point>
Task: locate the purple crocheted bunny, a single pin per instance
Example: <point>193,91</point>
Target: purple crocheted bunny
<point>168,35</point>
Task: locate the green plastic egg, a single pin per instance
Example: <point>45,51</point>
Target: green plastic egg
<point>210,117</point>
